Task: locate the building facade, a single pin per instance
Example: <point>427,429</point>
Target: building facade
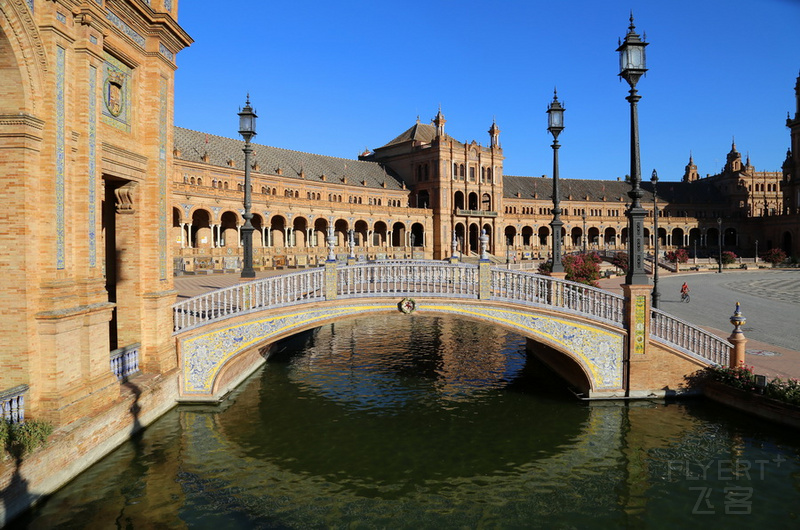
<point>427,195</point>
<point>86,92</point>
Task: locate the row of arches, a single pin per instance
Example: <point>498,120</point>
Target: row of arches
<point>473,202</point>
<point>201,231</point>
<point>612,237</point>
<point>460,173</point>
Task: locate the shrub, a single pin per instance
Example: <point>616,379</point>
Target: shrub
<point>786,391</point>
<point>620,260</point>
<point>679,256</point>
<point>22,438</point>
<point>545,267</point>
<point>728,257</point>
<point>740,377</point>
<point>583,268</point>
<point>774,256</point>
<point>4,428</point>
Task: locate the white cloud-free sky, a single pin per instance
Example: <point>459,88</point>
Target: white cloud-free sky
<point>334,78</point>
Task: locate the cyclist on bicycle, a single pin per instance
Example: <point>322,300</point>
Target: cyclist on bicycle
<point>684,290</point>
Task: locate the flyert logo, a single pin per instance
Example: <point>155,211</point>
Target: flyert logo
<point>735,499</point>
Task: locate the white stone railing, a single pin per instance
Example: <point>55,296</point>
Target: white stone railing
<point>276,291</point>
<point>419,278</point>
<point>689,338</point>
<point>125,361</point>
<point>546,292</point>
<point>444,280</point>
<point>12,404</point>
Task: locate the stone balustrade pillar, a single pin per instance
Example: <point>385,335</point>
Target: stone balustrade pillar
<point>737,339</point>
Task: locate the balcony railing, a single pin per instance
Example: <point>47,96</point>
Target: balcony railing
<point>125,361</point>
<point>476,213</point>
<point>12,404</point>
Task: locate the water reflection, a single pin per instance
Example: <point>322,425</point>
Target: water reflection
<point>408,422</point>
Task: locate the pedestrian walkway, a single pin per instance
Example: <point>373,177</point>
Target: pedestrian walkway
<point>770,303</point>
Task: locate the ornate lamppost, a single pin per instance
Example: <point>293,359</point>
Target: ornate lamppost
<point>247,128</point>
<point>632,67</point>
<point>584,231</point>
<point>719,239</point>
<point>656,294</point>
<point>555,124</point>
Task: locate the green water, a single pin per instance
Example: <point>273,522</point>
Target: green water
<point>412,422</point>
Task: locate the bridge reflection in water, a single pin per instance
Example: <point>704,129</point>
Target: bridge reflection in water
<point>417,422</point>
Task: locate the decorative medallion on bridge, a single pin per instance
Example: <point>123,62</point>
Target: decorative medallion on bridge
<point>407,305</point>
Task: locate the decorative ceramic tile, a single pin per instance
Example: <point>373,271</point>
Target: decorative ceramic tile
<point>597,350</point>
<point>204,355</point>
<point>162,178</point>
<point>61,55</point>
<point>125,28</point>
<point>92,166</point>
<point>116,93</point>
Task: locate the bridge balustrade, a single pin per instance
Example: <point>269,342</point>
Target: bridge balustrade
<point>419,278</point>
<point>277,291</point>
<point>544,291</point>
<point>688,338</point>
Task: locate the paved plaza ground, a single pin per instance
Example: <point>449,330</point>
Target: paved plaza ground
<point>770,300</point>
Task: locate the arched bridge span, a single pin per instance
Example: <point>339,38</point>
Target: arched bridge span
<point>214,331</point>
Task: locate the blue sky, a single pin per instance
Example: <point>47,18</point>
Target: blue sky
<point>334,78</point>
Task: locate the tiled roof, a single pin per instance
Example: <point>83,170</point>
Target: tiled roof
<point>192,145</point>
<point>594,190</point>
<point>420,132</point>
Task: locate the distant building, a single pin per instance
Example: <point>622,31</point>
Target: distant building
<point>411,197</point>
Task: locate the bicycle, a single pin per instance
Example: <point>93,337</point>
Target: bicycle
<point>685,297</point>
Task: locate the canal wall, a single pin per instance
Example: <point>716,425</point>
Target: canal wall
<point>71,450</point>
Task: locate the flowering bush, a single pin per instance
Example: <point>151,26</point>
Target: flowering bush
<point>620,260</point>
<point>742,377</point>
<point>679,256</point>
<point>786,391</point>
<point>728,257</point>
<point>774,256</point>
<point>739,377</point>
<point>581,268</point>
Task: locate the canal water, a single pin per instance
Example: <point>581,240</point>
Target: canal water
<point>419,422</point>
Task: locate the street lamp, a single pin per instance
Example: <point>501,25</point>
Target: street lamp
<point>632,67</point>
<point>584,231</point>
<point>247,128</point>
<point>555,124</point>
<point>656,294</point>
<point>719,239</point>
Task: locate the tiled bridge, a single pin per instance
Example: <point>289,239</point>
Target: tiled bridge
<point>606,345</point>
